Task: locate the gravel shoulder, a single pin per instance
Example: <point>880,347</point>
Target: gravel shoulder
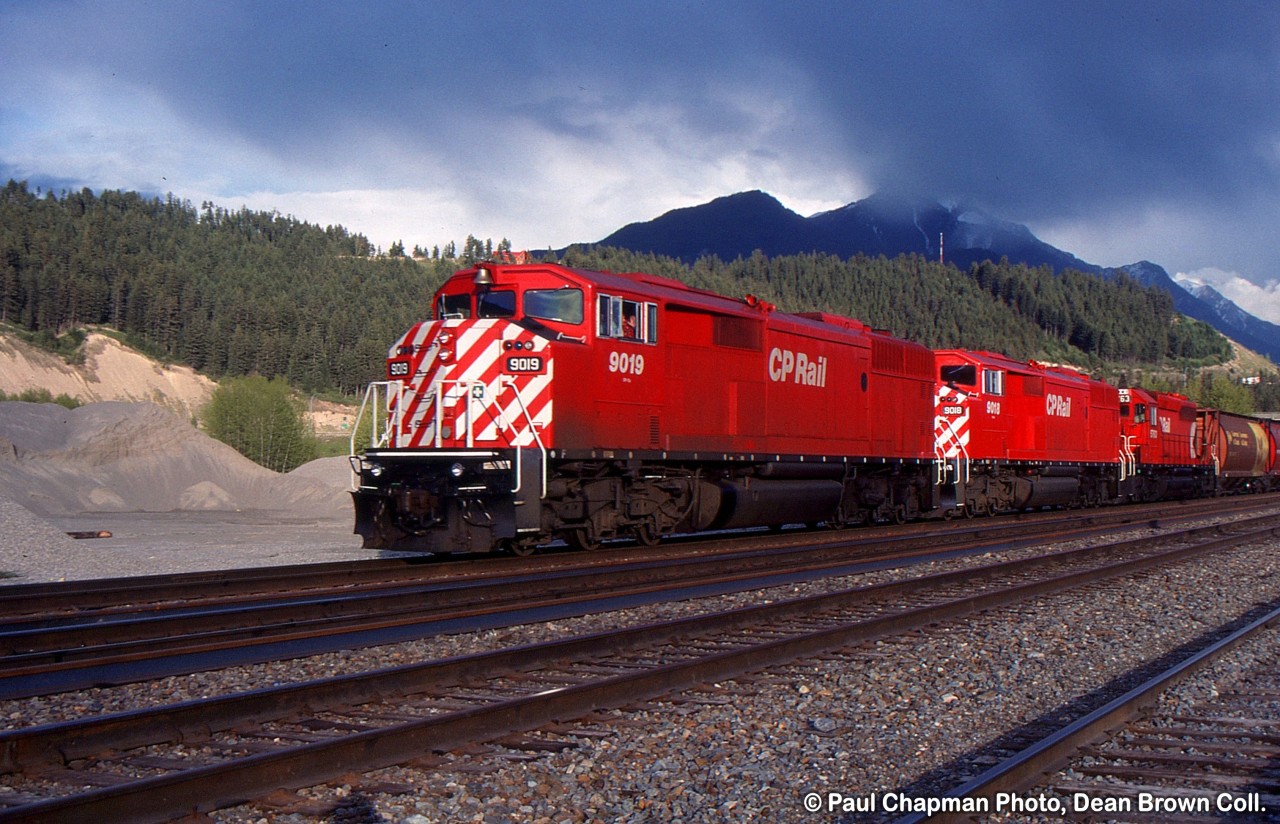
<point>35,549</point>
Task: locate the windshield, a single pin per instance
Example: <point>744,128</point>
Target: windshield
<point>497,304</point>
<point>962,374</point>
<point>564,305</point>
<point>453,307</point>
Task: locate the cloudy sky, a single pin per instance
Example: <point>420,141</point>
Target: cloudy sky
<point>1117,130</point>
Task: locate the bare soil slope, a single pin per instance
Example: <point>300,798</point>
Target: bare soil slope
<point>111,371</point>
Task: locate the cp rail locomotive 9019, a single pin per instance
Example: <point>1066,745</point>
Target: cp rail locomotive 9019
<point>542,402</point>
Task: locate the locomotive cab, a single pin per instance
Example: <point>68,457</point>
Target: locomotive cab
<point>547,305</point>
<point>471,437</point>
<point>1161,453</point>
<point>461,464</point>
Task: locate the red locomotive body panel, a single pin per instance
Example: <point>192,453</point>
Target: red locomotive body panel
<point>1160,428</point>
<point>992,408</point>
<point>653,365</point>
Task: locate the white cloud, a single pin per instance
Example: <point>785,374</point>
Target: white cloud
<point>547,185</point>
<point>115,135</point>
<point>1260,301</point>
<point>541,181</point>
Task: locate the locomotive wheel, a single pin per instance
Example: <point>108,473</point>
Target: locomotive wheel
<point>646,535</point>
<point>519,548</point>
<point>581,538</point>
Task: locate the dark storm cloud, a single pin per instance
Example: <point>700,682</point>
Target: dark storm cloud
<point>1040,108</point>
<point>1051,113</point>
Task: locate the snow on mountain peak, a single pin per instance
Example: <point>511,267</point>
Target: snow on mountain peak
<point>1262,301</point>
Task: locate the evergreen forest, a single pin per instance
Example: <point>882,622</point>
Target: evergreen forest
<point>234,293</point>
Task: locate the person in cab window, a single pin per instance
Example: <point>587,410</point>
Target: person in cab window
<point>629,326</point>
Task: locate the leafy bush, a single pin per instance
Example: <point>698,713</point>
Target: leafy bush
<point>262,420</point>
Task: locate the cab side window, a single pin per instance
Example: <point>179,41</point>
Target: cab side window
<point>993,381</point>
<point>624,319</point>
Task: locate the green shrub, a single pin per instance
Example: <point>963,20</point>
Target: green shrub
<point>42,396</point>
<point>262,420</point>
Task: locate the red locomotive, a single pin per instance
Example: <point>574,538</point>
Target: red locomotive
<point>542,401</point>
<point>1018,435</point>
<point>1163,447</point>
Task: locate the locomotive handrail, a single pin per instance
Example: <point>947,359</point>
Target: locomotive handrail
<point>1128,459</point>
<point>943,461</point>
<point>377,440</point>
<point>439,394</point>
<point>467,386</point>
<point>537,439</point>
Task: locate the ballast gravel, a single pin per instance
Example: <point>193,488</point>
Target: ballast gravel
<point>909,716</point>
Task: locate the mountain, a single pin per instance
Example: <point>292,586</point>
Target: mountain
<point>886,224</point>
<point>1202,302</point>
<point>727,227</point>
<point>891,225</point>
<point>1237,324</point>
<point>882,224</point>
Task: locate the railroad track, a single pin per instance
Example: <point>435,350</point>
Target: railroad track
<point>1148,757</point>
<point>129,632</point>
<point>139,593</point>
<point>160,763</point>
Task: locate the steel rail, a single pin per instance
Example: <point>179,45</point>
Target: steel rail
<point>42,661</point>
<point>235,781</point>
<point>140,593</point>
<point>1030,766</point>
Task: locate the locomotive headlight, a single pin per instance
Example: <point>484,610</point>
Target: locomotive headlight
<point>457,470</point>
<point>376,470</point>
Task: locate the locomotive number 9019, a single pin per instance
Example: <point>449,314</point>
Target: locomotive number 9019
<point>626,362</point>
<point>524,363</point>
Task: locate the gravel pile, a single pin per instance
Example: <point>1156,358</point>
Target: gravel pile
<point>127,457</point>
<point>28,541</point>
<point>174,499</point>
<point>915,715</point>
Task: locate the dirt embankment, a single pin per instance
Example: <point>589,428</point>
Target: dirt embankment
<point>114,372</point>
<point>111,372</point>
